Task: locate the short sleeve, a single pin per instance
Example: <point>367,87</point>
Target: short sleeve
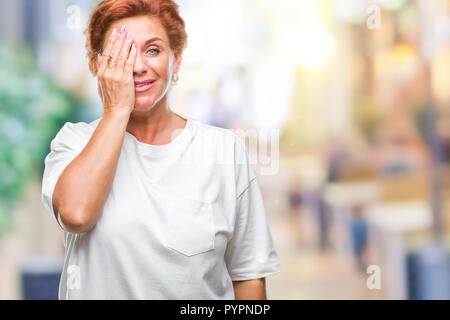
<point>243,169</point>
<point>250,253</point>
<point>66,145</point>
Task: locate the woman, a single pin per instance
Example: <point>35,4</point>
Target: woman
<point>154,205</point>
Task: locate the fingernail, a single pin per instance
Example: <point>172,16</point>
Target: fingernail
<point>122,30</point>
<point>128,36</point>
<point>113,34</point>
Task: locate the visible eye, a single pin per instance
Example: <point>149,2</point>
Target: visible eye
<point>154,51</point>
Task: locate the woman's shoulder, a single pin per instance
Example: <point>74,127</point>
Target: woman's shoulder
<point>231,144</point>
<point>80,127</point>
<point>217,134</point>
<point>230,141</point>
<point>75,133</point>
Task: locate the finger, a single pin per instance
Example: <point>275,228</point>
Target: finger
<point>124,52</point>
<point>129,65</point>
<point>99,60</point>
<point>107,50</point>
<point>117,47</point>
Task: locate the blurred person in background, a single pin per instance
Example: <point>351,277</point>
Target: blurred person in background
<point>140,219</point>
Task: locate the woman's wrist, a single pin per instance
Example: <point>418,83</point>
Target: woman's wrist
<point>117,112</point>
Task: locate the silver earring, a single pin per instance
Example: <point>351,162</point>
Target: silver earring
<point>175,77</point>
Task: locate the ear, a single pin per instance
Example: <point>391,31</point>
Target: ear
<point>177,62</point>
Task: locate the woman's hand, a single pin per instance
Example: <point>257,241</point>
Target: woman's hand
<point>116,84</point>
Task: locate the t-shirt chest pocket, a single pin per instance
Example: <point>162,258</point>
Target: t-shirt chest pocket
<point>190,226</point>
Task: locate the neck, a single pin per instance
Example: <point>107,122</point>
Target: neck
<point>154,126</point>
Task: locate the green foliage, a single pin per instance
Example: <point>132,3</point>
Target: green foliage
<point>32,110</point>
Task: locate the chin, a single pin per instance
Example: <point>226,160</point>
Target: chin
<point>143,104</point>
<point>138,107</point>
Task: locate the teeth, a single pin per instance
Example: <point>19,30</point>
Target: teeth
<point>143,84</point>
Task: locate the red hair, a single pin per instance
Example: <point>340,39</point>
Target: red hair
<point>109,11</point>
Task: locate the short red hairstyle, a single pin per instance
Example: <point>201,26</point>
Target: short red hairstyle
<point>109,11</point>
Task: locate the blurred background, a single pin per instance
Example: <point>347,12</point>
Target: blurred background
<point>352,101</point>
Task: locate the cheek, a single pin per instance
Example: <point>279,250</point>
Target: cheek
<point>169,65</point>
<point>159,66</point>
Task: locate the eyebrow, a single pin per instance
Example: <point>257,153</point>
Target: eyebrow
<point>152,40</point>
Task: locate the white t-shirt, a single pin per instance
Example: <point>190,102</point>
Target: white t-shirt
<point>182,220</point>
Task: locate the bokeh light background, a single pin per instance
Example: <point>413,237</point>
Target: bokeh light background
<point>354,96</point>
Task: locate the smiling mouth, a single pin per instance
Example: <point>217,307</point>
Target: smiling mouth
<point>143,84</point>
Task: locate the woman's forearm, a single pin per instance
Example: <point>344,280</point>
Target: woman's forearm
<point>83,187</point>
<point>254,289</point>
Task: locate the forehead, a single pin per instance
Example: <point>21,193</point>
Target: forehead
<point>141,28</point>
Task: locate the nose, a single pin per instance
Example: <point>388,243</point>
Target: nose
<point>140,67</point>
